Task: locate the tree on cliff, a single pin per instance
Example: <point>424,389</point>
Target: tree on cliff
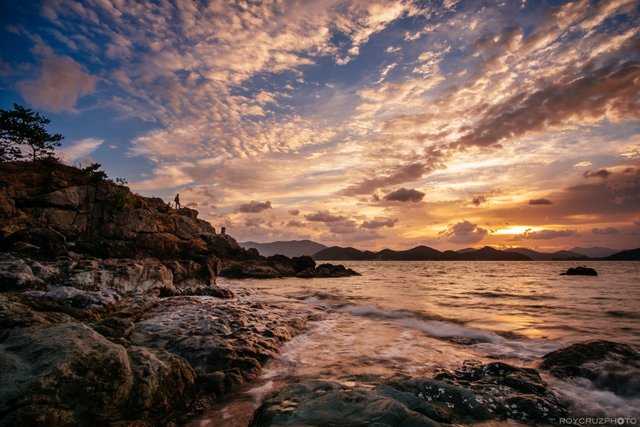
<point>21,127</point>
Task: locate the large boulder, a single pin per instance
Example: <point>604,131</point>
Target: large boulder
<point>225,342</point>
<point>65,373</point>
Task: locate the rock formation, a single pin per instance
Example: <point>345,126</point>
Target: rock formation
<point>109,308</point>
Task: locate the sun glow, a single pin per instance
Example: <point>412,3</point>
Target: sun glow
<point>516,229</point>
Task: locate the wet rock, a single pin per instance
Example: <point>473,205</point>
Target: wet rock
<point>323,403</point>
<point>475,393</point>
<point>580,271</point>
<point>608,365</point>
<point>508,391</point>
<point>218,337</point>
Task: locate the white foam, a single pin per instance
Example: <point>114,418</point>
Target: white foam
<point>441,329</point>
<point>588,401</point>
<point>258,393</point>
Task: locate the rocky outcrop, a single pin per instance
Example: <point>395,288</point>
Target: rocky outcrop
<point>74,357</point>
<point>475,393</point>
<point>48,210</point>
<point>109,309</point>
<point>580,271</point>
<point>281,266</point>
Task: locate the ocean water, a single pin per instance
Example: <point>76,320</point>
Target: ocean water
<point>419,318</point>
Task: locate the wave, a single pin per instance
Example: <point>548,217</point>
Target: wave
<point>624,314</point>
<point>433,326</point>
<point>489,294</point>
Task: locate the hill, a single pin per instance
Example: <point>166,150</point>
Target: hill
<point>548,256</point>
<point>289,248</point>
<point>335,253</point>
<point>419,253</point>
<point>595,252</point>
<point>628,255</point>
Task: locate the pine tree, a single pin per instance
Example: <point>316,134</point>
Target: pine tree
<point>21,127</point>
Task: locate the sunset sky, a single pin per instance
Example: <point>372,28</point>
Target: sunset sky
<point>364,123</point>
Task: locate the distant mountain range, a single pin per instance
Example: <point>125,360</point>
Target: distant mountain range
<point>289,248</point>
<point>321,252</point>
<point>419,253</point>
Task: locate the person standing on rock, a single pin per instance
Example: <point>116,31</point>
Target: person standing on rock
<point>177,200</point>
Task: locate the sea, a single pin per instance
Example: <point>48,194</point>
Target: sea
<point>419,318</point>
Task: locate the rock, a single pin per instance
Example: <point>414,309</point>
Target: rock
<point>508,391</point>
<point>608,365</point>
<point>301,263</point>
<point>328,270</point>
<point>218,337</point>
<point>42,241</point>
<point>67,374</point>
<point>474,394</point>
<point>16,273</point>
<point>246,270</point>
<point>75,302</point>
<point>580,271</point>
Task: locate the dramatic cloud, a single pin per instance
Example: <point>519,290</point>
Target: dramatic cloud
<point>254,207</point>
<point>404,173</point>
<point>608,230</point>
<point>324,216</point>
<point>379,223</point>
<point>464,233</point>
<point>324,108</point>
<point>61,83</point>
<point>79,149</point>
<point>602,173</point>
<point>405,195</point>
<point>538,202</point>
<point>547,234</point>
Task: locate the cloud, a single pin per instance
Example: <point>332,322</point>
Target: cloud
<point>546,234</point>
<point>405,195</point>
<point>294,212</point>
<point>79,149</point>
<point>478,200</point>
<point>254,207</point>
<point>324,216</point>
<point>608,230</point>
<point>295,223</point>
<point>62,81</point>
<point>379,223</point>
<point>594,95</point>
<point>404,173</point>
<point>343,227</point>
<point>602,173</point>
<point>464,233</point>
<point>539,202</point>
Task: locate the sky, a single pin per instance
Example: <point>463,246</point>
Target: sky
<point>363,123</point>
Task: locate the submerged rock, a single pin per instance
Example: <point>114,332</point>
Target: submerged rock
<point>474,393</point>
<point>608,365</point>
<point>580,271</point>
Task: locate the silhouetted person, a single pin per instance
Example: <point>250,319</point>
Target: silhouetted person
<point>177,200</point>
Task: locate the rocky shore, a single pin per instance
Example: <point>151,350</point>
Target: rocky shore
<point>109,309</point>
<point>474,393</point>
